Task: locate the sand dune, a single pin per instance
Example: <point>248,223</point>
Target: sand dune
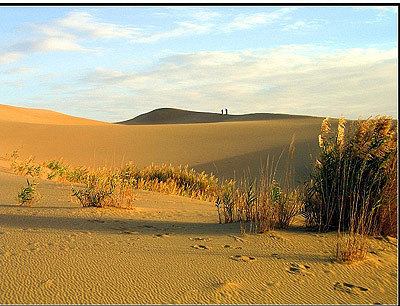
<point>171,250</point>
<point>224,148</point>
<point>41,116</point>
<point>179,116</point>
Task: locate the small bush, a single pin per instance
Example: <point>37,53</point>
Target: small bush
<point>29,195</point>
<point>351,247</point>
<point>104,191</point>
<point>26,167</point>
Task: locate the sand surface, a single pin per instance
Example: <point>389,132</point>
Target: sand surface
<point>226,148</point>
<point>168,249</point>
<point>171,249</point>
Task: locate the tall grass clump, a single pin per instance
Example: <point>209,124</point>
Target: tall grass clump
<point>261,204</point>
<point>353,187</point>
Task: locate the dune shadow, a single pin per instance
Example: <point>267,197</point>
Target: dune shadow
<point>234,167</point>
<point>115,225</point>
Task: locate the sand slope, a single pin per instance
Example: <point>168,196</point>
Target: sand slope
<point>179,116</point>
<point>29,115</point>
<point>224,148</point>
<point>171,250</point>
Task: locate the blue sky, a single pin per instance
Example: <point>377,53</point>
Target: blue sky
<point>113,63</point>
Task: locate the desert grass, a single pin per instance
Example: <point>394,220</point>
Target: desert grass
<point>353,187</point>
<point>103,191</point>
<point>264,204</point>
<point>259,205</point>
<point>106,185</point>
<point>28,195</point>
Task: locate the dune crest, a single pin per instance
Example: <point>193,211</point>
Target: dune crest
<point>180,116</point>
<point>41,116</point>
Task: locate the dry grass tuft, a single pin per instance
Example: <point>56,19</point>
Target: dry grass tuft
<point>350,248</point>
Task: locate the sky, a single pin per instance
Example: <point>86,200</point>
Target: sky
<point>114,63</point>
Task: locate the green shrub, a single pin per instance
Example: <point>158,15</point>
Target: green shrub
<point>29,195</point>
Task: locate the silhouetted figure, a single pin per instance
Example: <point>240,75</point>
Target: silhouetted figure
<point>222,111</point>
<point>226,111</point>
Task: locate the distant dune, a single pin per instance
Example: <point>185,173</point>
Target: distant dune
<point>41,116</point>
<point>179,116</point>
<point>226,149</point>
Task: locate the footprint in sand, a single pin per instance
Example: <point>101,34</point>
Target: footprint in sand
<point>349,288</point>
<point>238,239</point>
<point>299,269</point>
<point>200,247</point>
<point>96,220</point>
<point>199,239</point>
<point>128,232</point>
<point>166,235</point>
<point>242,258</point>
<point>47,283</point>
<point>273,283</point>
<point>227,246</point>
<point>329,272</point>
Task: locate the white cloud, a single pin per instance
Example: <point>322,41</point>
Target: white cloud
<point>381,9</point>
<point>382,12</point>
<point>19,71</point>
<point>303,25</point>
<point>9,57</point>
<point>294,79</point>
<point>205,15</point>
<point>183,28</point>
<point>84,23</point>
<point>249,21</point>
<point>48,44</point>
<point>64,34</point>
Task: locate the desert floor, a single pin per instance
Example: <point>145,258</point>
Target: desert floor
<point>168,249</point>
<point>171,249</point>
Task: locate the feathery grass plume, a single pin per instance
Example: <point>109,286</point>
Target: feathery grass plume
<point>29,195</point>
<point>325,130</point>
<point>340,133</point>
<point>354,187</point>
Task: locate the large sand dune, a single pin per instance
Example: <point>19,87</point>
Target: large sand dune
<point>224,148</point>
<point>179,116</point>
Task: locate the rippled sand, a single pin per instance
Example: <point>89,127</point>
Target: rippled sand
<point>172,250</point>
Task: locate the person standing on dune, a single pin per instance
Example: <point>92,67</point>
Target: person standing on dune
<point>226,111</point>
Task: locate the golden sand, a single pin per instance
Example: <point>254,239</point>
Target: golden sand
<point>168,249</point>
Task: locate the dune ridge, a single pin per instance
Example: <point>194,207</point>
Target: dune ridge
<point>180,116</point>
